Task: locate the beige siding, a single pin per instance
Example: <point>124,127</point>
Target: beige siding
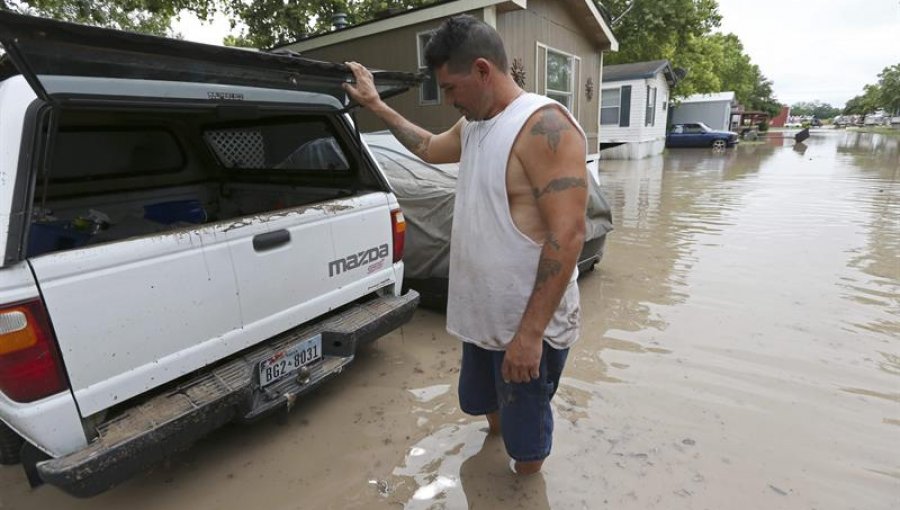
<point>551,23</point>
<point>396,51</point>
<point>548,22</point>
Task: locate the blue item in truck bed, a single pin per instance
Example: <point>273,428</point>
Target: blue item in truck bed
<point>188,211</point>
<point>54,236</point>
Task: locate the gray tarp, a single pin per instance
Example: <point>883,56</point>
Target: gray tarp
<point>426,194</point>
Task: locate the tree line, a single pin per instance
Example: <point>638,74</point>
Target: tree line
<point>882,95</point>
<point>681,31</point>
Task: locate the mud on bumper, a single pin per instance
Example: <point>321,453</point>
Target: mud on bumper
<point>145,434</point>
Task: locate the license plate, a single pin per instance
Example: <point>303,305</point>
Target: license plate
<point>288,361</point>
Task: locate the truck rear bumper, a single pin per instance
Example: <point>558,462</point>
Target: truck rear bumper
<point>147,433</point>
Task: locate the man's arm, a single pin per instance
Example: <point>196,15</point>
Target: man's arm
<point>443,148</point>
<point>553,156</point>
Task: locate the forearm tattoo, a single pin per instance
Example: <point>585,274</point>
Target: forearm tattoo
<point>411,139</point>
<point>547,268</point>
<point>551,240</point>
<point>561,184</point>
<point>551,124</point>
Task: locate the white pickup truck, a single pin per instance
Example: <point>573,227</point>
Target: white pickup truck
<point>189,235</point>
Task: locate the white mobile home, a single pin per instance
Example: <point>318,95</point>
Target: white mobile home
<point>633,107</point>
<point>714,110</point>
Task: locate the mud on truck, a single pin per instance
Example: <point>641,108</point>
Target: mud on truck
<point>189,235</point>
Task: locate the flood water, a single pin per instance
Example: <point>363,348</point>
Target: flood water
<point>741,350</point>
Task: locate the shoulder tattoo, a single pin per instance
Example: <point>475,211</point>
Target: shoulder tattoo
<point>550,124</point>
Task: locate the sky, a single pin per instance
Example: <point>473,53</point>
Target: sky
<point>824,50</point>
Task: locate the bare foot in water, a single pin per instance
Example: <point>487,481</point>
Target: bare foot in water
<point>528,468</point>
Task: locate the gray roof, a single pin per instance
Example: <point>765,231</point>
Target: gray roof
<point>638,71</point>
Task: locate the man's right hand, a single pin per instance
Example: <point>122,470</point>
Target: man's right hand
<point>364,91</point>
<point>443,148</point>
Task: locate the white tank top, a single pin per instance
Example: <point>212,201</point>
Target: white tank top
<point>493,265</point>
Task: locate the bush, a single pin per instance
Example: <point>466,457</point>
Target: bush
<point>763,126</point>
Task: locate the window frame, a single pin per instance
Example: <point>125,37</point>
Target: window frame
<point>249,174</point>
<point>422,67</point>
<point>650,108</point>
<point>571,92</point>
<point>112,128</point>
<point>618,106</point>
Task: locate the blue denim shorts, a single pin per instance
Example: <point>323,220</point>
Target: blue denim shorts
<point>526,420</point>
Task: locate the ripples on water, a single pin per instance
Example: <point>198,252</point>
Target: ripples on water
<point>740,346</point>
<point>771,276</point>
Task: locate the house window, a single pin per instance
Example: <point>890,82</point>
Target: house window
<point>429,91</point>
<point>650,117</point>
<point>609,106</point>
<point>560,73</point>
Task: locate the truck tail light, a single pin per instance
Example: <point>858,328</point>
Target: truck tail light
<point>398,225</point>
<point>30,365</point>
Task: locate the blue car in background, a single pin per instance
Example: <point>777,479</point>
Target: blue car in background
<point>698,134</point>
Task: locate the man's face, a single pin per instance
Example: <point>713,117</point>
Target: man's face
<point>465,91</point>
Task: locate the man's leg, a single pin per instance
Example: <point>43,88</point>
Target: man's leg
<point>525,414</point>
<point>493,423</point>
<point>529,468</point>
<point>477,395</point>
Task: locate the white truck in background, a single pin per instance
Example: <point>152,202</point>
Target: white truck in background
<point>189,235</point>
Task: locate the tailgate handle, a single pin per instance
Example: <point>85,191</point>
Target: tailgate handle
<point>269,240</point>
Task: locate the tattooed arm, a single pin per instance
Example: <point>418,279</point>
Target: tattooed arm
<point>442,148</point>
<point>552,153</point>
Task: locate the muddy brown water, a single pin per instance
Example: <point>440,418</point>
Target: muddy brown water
<point>741,350</point>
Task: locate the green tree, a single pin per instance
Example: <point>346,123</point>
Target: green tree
<point>882,95</point>
<point>273,22</point>
<point>817,108</point>
<point>658,29</point>
<point>681,31</point>
<point>264,23</point>
<point>147,16</point>
<point>889,89</point>
<point>867,102</point>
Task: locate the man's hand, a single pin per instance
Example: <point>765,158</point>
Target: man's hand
<point>443,148</point>
<point>522,361</point>
<point>364,92</point>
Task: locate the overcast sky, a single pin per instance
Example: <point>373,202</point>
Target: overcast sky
<point>823,50</point>
<point>817,49</point>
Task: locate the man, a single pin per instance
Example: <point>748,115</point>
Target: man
<point>518,228</point>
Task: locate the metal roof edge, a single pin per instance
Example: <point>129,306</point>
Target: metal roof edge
<point>406,18</point>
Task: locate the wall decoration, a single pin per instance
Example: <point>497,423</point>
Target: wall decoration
<point>589,89</point>
<point>518,72</point>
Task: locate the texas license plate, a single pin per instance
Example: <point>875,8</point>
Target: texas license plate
<point>288,361</point>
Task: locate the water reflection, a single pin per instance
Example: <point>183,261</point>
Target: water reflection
<point>460,466</point>
<point>662,207</point>
<point>742,328</point>
<point>765,280</point>
<point>488,482</point>
<point>877,159</point>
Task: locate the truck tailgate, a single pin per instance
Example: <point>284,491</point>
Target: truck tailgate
<point>132,315</point>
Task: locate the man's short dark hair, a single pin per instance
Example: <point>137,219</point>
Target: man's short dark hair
<point>461,40</point>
